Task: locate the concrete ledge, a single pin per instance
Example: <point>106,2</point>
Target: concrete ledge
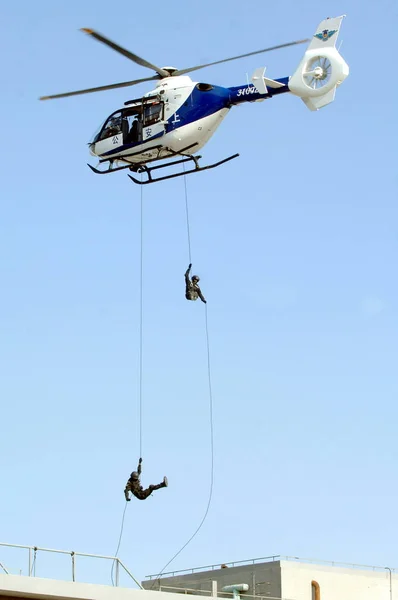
<point>17,586</point>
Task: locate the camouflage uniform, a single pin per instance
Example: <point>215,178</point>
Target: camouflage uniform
<point>192,290</point>
<point>134,486</point>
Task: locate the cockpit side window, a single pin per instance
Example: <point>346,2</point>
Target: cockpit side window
<point>153,113</point>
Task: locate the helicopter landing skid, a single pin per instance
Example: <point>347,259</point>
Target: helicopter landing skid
<point>110,161</point>
<point>196,169</point>
<point>135,166</point>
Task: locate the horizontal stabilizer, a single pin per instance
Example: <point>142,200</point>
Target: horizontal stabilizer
<point>272,83</point>
<point>260,82</point>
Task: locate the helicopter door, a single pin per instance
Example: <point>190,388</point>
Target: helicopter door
<point>132,121</point>
<point>153,124</point>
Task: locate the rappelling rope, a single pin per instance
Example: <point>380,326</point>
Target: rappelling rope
<point>119,542</point>
<point>210,415</point>
<point>140,369</point>
<point>187,216</point>
<point>140,394</point>
<point>212,459</point>
<point>141,312</point>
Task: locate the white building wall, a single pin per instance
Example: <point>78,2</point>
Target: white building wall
<point>36,588</point>
<point>336,583</point>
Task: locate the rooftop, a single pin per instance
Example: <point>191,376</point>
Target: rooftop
<point>36,572</point>
<point>271,558</point>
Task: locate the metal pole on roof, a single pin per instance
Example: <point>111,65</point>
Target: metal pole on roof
<point>4,569</point>
<point>117,573</point>
<point>388,568</point>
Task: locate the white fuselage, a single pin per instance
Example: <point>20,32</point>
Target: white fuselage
<point>176,93</point>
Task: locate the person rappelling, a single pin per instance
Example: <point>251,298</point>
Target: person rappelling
<point>134,486</point>
<point>192,289</point>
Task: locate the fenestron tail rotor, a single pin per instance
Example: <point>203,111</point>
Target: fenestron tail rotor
<point>318,72</point>
<point>322,68</point>
<point>161,73</point>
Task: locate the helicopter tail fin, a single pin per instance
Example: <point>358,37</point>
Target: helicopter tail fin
<point>322,68</point>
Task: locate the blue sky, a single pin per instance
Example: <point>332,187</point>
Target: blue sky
<point>296,245</point>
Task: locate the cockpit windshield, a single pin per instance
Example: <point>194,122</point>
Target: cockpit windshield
<point>112,126</point>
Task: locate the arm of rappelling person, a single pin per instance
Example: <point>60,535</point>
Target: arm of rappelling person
<point>201,296</point>
<point>187,281</point>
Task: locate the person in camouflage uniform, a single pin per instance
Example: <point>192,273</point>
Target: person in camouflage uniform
<point>192,290</point>
<point>134,485</point>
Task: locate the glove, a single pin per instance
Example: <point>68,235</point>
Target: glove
<point>140,461</point>
<point>190,266</point>
<point>128,499</point>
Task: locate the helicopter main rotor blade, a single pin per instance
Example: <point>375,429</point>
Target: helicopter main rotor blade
<point>218,62</point>
<point>126,53</point>
<point>112,86</point>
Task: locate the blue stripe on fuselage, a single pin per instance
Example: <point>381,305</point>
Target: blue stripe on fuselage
<point>248,93</point>
<point>201,104</point>
<point>132,145</point>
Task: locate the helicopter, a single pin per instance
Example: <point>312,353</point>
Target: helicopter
<point>179,116</point>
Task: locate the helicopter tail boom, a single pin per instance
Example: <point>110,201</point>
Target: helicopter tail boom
<point>322,68</point>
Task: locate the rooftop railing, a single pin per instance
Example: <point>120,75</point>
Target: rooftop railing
<point>265,559</point>
<point>32,552</point>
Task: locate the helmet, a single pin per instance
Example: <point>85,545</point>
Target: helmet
<point>134,475</point>
<point>195,279</point>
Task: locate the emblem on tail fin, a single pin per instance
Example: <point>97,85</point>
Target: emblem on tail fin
<point>325,34</point>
